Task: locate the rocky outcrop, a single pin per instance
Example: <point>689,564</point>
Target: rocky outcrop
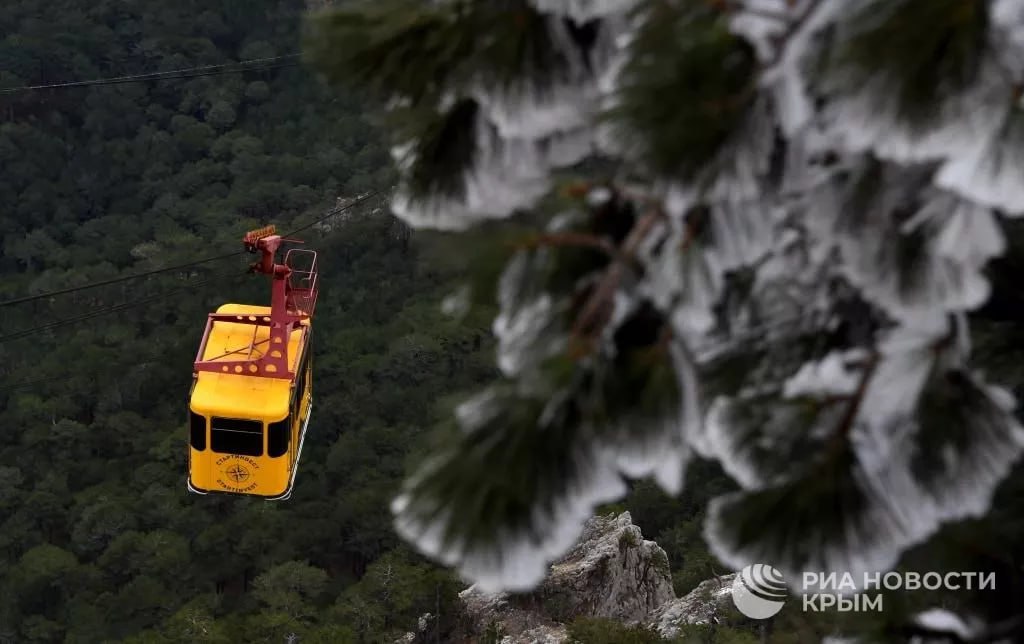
<point>612,572</point>
<point>705,604</point>
<point>508,619</point>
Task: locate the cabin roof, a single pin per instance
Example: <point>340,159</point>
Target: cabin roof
<point>233,395</point>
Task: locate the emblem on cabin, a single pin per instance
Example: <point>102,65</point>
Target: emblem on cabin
<point>237,473</point>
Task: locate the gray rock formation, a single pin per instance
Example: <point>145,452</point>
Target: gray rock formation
<point>702,605</point>
<point>612,573</point>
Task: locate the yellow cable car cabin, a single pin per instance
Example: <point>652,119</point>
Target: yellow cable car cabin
<point>251,397</point>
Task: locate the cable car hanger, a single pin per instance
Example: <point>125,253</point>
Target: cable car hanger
<point>290,305</point>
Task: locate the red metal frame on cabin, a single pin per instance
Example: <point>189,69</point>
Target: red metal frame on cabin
<point>293,294</point>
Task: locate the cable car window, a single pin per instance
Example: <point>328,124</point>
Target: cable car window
<point>234,436</point>
<point>277,437</point>
<point>197,433</point>
<point>301,377</point>
<point>300,380</point>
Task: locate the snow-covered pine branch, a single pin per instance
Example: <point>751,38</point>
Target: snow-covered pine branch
<point>804,192</point>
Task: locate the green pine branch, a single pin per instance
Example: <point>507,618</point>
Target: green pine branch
<point>688,84</point>
<point>930,50</point>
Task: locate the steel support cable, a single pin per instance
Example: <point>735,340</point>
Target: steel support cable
<point>177,267</point>
<point>254,64</point>
<point>337,210</point>
<point>233,277</point>
<point>67,376</point>
<point>116,280</point>
<point>114,308</point>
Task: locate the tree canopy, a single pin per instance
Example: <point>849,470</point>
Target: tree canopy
<point>99,540</point>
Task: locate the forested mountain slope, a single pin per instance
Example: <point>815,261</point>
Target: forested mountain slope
<point>98,539</point>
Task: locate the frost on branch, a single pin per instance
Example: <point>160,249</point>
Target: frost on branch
<point>557,89</point>
<point>828,377</point>
<point>648,399</point>
<point>582,11</point>
<point>780,382</point>
<point>988,169</point>
<point>830,520</point>
<point>688,257</point>
<point>796,199</point>
<point>951,451</point>
<point>912,94</point>
<point>783,32</point>
<point>901,242</point>
<point>755,439</point>
<point>922,442</point>
<point>511,491</point>
<point>684,283</point>
<point>530,325</point>
<point>459,170</point>
<point>942,624</point>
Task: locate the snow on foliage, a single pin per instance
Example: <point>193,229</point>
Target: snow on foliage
<point>582,11</point>
<point>810,227</point>
<point>945,623</point>
<point>514,557</point>
<point>508,174</point>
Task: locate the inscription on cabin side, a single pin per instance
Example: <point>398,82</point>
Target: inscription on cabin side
<point>237,470</point>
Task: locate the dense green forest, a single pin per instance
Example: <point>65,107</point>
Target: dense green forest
<point>100,540</point>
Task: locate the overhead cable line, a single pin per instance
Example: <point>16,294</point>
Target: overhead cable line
<point>12,386</point>
<point>253,64</point>
<point>337,210</point>
<point>114,308</point>
<point>116,280</point>
<point>37,381</point>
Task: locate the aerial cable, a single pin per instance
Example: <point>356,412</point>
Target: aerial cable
<point>337,210</point>
<point>37,381</point>
<point>178,267</point>
<point>116,280</point>
<point>11,386</point>
<point>114,308</point>
<point>144,78</point>
<point>253,64</point>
